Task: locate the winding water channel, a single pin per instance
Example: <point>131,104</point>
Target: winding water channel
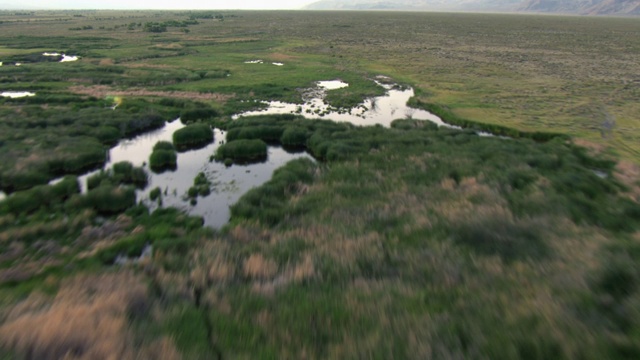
<point>380,110</point>
<point>230,183</point>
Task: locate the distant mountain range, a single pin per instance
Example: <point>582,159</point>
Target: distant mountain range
<point>581,7</point>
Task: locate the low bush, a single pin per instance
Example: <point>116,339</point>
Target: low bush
<point>267,202</point>
<point>190,115</point>
<point>163,157</point>
<point>16,181</point>
<point>107,135</point>
<point>163,145</point>
<point>201,186</point>
<point>242,150</point>
<point>130,246</point>
<point>268,133</point>
<point>125,173</point>
<point>155,194</point>
<point>192,136</point>
<point>106,199</point>
<point>40,197</point>
<point>121,173</point>
<point>294,137</point>
<point>411,124</point>
<point>142,123</point>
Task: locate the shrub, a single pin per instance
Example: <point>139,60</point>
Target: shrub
<point>44,196</point>
<point>618,279</point>
<point>161,160</point>
<point>267,202</point>
<point>129,246</point>
<point>242,150</point>
<point>122,173</point>
<point>88,158</point>
<point>506,236</point>
<point>155,194</point>
<point>109,199</point>
<point>22,180</point>
<point>163,157</point>
<point>98,179</point>
<point>294,137</point>
<point>267,133</point>
<point>107,135</point>
<point>142,123</point>
<point>163,145</point>
<point>201,187</point>
<point>192,136</point>
<point>197,114</point>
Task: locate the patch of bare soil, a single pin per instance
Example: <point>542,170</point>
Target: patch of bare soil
<point>282,57</point>
<point>103,91</point>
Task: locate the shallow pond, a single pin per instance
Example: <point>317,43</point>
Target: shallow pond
<point>16,94</point>
<point>228,183</point>
<point>377,110</point>
<point>258,61</point>
<point>65,58</point>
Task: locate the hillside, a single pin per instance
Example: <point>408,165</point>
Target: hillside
<point>579,7</point>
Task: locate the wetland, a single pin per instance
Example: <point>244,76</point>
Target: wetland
<point>320,186</point>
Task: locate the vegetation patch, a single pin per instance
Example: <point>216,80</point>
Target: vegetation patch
<point>121,173</point>
<point>201,187</point>
<point>408,242</point>
<point>192,137</point>
<point>243,150</point>
<point>163,157</point>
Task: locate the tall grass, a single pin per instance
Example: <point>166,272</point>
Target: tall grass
<point>242,150</point>
<point>163,157</point>
<point>192,136</point>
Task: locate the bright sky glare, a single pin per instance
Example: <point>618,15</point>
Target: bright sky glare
<point>160,4</point>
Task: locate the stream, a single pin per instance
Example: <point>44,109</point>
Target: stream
<point>230,183</point>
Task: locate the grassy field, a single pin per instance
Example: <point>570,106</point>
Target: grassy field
<point>402,242</point>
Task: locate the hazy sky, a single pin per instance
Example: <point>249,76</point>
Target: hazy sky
<point>157,4</point>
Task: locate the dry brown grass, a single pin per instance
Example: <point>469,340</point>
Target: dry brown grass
<point>87,319</point>
<point>103,236</point>
<point>102,91</point>
<point>248,233</point>
<point>257,267</point>
<point>628,173</point>
<point>292,274</point>
<point>220,270</point>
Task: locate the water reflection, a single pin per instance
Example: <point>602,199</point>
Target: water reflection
<point>228,183</point>
<point>16,94</point>
<point>332,84</point>
<point>68,58</point>
<point>65,58</point>
<point>377,110</point>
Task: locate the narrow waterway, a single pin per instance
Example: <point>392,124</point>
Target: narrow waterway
<point>230,183</point>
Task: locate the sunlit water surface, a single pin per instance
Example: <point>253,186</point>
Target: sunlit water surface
<point>230,183</point>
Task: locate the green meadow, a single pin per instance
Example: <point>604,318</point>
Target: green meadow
<point>411,241</point>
